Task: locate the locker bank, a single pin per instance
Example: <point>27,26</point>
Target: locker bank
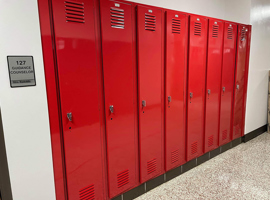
<point>104,99</point>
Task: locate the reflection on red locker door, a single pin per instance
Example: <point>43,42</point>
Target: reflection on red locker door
<point>119,65</point>
<point>196,86</point>
<point>213,81</point>
<point>176,64</point>
<point>239,81</point>
<point>149,22</point>
<point>76,53</point>
<point>227,82</point>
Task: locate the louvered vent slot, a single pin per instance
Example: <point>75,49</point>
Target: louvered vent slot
<point>215,31</point>
<point>176,26</point>
<point>194,147</point>
<point>123,178</point>
<point>117,18</point>
<point>87,193</point>
<point>224,134</point>
<point>198,28</point>
<point>175,156</point>
<point>150,22</point>
<point>210,140</point>
<point>74,11</point>
<point>243,34</point>
<point>230,33</point>
<point>151,166</point>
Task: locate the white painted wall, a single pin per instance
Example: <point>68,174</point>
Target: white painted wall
<point>256,113</point>
<point>24,110</point>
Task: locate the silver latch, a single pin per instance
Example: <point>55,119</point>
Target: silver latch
<point>191,95</point>
<point>223,89</point>
<point>237,87</point>
<point>111,108</point>
<point>143,103</point>
<point>169,98</point>
<point>209,92</point>
<point>69,116</point>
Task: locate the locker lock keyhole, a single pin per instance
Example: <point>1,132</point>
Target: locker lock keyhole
<point>69,127</point>
<point>111,118</point>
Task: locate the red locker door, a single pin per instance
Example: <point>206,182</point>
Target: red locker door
<point>227,83</point>
<point>196,86</point>
<point>75,43</point>
<point>176,64</point>
<point>119,65</point>
<point>239,81</point>
<point>149,22</point>
<point>213,81</point>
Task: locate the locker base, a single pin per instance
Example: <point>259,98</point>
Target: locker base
<point>151,184</point>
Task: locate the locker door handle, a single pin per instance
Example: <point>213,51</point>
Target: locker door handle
<point>191,94</point>
<point>237,87</point>
<point>169,99</point>
<point>143,103</point>
<point>111,109</point>
<point>69,116</point>
<point>223,89</point>
<point>209,92</point>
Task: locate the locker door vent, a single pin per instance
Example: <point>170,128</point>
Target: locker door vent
<point>176,26</point>
<point>198,28</point>
<point>74,11</point>
<point>150,22</point>
<point>224,134</point>
<point>243,34</point>
<point>117,18</point>
<point>194,147</point>
<point>230,33</point>
<point>237,130</point>
<point>123,178</point>
<point>175,156</point>
<point>87,193</point>
<point>152,166</point>
<point>210,140</point>
<point>215,31</point>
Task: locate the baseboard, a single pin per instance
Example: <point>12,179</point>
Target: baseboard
<point>151,184</point>
<point>251,135</point>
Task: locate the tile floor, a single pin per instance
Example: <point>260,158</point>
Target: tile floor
<point>242,172</point>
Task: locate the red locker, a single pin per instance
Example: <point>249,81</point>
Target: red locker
<point>239,86</point>
<point>227,83</point>
<point>119,69</point>
<point>213,81</point>
<point>196,86</point>
<point>77,67</point>
<point>249,27</point>
<point>176,65</point>
<point>150,72</point>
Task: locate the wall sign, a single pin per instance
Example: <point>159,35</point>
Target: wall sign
<point>21,71</point>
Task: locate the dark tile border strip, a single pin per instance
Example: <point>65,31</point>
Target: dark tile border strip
<point>5,187</point>
<point>151,184</point>
<point>254,133</point>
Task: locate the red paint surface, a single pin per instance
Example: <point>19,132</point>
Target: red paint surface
<point>119,68</point>
<point>213,81</point>
<point>239,81</point>
<point>176,66</point>
<point>78,69</point>
<point>150,66</point>
<point>228,68</point>
<point>196,85</point>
